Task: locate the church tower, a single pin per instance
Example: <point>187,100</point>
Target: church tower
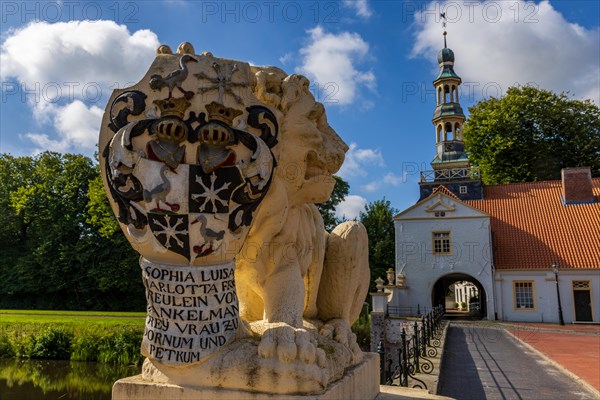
<point>450,164</point>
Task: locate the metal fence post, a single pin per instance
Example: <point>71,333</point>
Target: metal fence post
<point>423,337</point>
<point>429,330</point>
<point>416,349</point>
<point>381,351</point>
<point>404,358</point>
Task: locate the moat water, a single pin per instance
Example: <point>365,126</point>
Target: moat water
<point>64,380</point>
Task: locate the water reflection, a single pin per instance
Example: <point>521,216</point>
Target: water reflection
<point>49,380</point>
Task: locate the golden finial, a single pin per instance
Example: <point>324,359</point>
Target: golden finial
<point>164,49</point>
<point>185,48</point>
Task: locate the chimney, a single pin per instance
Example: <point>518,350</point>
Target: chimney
<point>577,186</point>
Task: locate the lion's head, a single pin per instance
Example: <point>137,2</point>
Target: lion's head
<point>309,150</point>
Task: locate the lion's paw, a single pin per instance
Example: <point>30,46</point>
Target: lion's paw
<point>288,344</point>
<point>340,331</point>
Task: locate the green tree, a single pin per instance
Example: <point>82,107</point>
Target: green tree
<point>327,209</point>
<point>531,134</point>
<point>51,257</point>
<point>100,214</point>
<point>378,220</point>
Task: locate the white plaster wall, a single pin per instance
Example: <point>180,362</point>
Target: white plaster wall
<point>471,255</point>
<point>545,294</point>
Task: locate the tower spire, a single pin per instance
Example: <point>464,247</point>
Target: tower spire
<point>443,15</point>
<point>451,166</point>
<point>448,117</point>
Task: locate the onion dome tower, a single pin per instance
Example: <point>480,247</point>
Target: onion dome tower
<point>448,117</point>
<point>450,164</point>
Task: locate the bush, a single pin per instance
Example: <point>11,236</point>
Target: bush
<point>123,347</point>
<point>22,345</point>
<point>54,343</point>
<point>6,348</point>
<point>362,330</point>
<point>85,347</point>
<point>110,340</point>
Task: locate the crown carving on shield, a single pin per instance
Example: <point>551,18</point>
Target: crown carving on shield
<point>172,107</point>
<point>219,112</point>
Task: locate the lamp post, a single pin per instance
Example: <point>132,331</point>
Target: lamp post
<point>560,314</point>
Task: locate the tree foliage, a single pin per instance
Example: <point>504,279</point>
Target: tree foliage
<point>327,209</point>
<point>51,255</point>
<point>100,214</point>
<point>378,219</point>
<point>531,134</point>
<point>62,247</point>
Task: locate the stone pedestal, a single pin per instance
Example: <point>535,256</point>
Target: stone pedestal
<point>380,300</point>
<point>359,382</point>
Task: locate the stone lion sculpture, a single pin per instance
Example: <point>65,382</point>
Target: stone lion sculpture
<point>213,168</point>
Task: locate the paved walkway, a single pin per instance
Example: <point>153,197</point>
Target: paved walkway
<point>575,348</point>
<point>578,329</point>
<point>482,361</point>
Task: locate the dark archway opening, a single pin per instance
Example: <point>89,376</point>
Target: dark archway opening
<point>477,305</point>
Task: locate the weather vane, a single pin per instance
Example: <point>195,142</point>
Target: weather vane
<point>443,15</point>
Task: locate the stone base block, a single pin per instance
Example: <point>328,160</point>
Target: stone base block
<point>359,382</point>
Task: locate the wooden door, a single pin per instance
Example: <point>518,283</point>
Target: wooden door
<point>583,305</point>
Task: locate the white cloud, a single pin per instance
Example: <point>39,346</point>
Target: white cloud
<point>330,60</point>
<point>351,207</point>
<point>79,124</point>
<point>43,142</point>
<point>82,52</point>
<point>371,186</point>
<point>360,6</point>
<point>389,179</point>
<point>286,58</point>
<point>392,179</point>
<point>500,43</point>
<point>69,65</point>
<point>357,159</point>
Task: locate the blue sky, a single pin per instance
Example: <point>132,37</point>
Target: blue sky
<point>370,62</point>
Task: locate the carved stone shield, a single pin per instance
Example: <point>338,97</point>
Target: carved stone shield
<point>187,160</point>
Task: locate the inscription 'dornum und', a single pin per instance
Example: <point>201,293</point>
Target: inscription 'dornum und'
<point>192,311</point>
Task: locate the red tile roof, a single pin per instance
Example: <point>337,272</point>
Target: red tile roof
<point>531,227</point>
<point>443,189</point>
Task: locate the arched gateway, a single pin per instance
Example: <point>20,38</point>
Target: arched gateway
<point>476,300</point>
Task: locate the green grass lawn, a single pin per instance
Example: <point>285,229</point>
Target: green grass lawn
<point>111,337</point>
<point>74,318</point>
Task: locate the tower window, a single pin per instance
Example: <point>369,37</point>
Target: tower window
<point>448,131</point>
<point>462,189</point>
<point>441,243</point>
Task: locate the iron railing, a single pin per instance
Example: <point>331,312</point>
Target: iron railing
<point>450,174</point>
<point>403,312</point>
<point>415,351</point>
